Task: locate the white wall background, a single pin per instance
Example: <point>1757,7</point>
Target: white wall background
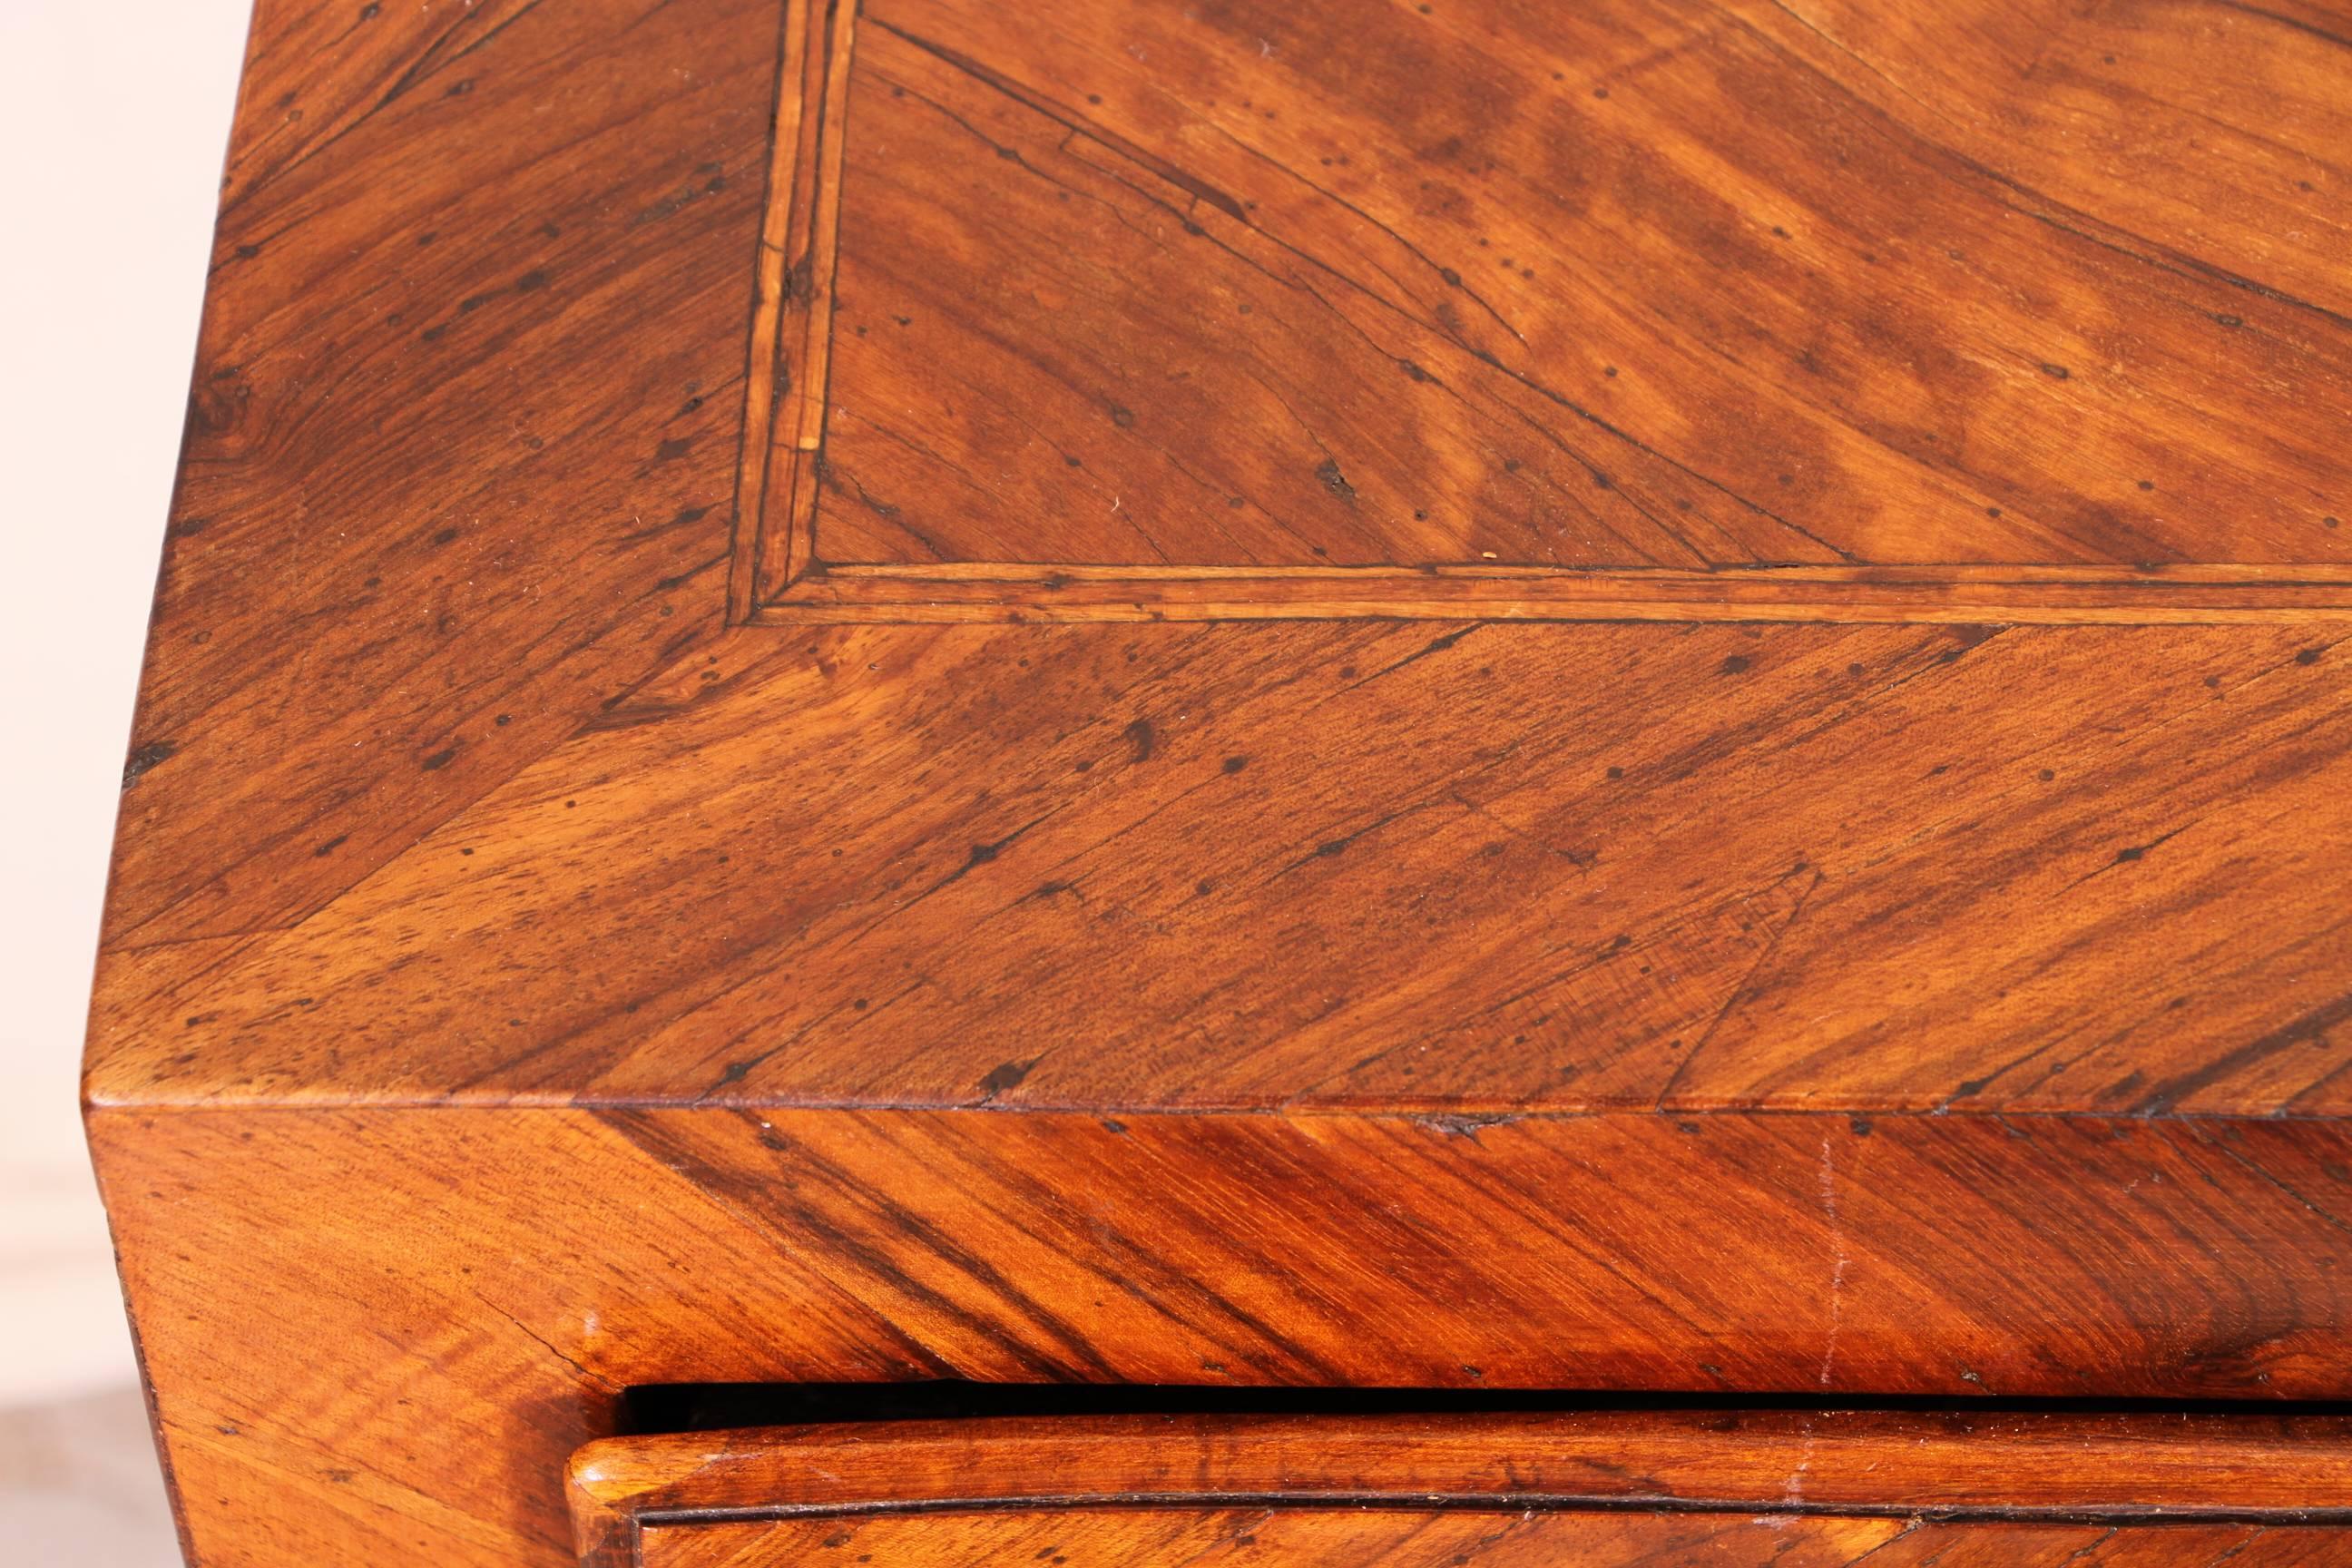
<point>113,118</point>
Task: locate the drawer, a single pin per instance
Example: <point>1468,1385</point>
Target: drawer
<point>1425,1538</point>
<point>1572,1490</point>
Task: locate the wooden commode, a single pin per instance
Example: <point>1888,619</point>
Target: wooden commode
<point>1271,783</point>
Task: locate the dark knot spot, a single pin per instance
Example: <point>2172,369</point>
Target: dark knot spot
<point>147,757</point>
<point>1007,1075</point>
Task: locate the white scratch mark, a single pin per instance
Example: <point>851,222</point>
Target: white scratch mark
<point>1794,1491</point>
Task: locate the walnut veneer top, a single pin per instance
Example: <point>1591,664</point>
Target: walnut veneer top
<point>1468,558</point>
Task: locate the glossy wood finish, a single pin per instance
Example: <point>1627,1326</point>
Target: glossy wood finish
<point>1876,870</point>
<point>1279,1538</point>
<point>2312,598</point>
<point>1211,1472</point>
<point>1404,1539</point>
<point>337,1303</point>
<point>605,897</point>
<point>1673,290</point>
<point>461,442</point>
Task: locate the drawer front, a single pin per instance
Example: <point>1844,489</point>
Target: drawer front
<point>1408,1538</point>
<point>1712,1486</point>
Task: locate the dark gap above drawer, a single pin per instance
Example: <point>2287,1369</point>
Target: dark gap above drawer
<point>717,1406</point>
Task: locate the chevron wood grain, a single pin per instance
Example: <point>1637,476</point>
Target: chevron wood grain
<point>1720,302</point>
<point>1643,701</point>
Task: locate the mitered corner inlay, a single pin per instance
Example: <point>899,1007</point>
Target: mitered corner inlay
<point>786,363</point>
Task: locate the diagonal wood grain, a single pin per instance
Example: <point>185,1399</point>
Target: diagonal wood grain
<point>1647,284</point>
<point>335,1302</point>
<point>520,986</point>
<point>461,447</point>
<point>1877,868</point>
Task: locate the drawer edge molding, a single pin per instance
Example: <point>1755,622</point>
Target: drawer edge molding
<point>2116,1466</point>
